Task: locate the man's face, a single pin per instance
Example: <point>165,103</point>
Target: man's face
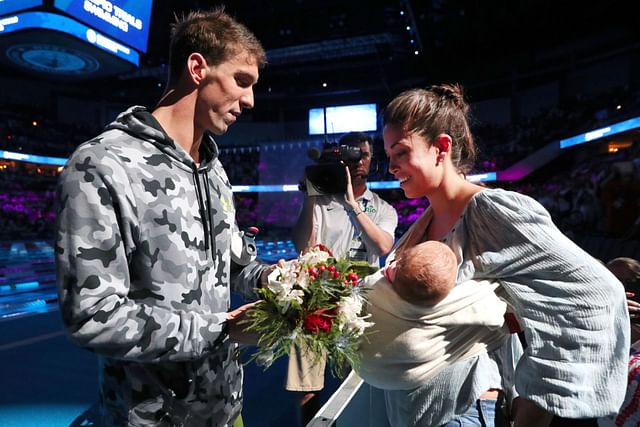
<point>360,169</point>
<point>225,91</point>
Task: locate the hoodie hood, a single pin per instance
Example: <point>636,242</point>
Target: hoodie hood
<point>139,122</point>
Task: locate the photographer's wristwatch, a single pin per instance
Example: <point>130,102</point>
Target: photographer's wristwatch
<point>355,211</point>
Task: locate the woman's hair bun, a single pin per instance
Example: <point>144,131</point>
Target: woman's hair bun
<point>453,93</point>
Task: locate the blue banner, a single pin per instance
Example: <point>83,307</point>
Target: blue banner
<point>54,22</point>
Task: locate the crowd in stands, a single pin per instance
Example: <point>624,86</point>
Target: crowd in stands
<point>501,146</point>
<point>598,194</point>
<point>26,201</point>
<point>33,133</point>
<point>242,164</point>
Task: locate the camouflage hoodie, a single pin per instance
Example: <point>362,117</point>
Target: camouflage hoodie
<point>142,253</point>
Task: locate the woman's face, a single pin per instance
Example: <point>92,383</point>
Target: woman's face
<point>412,161</point>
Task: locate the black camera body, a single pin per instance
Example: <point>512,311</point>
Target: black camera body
<point>333,153</point>
<point>328,175</point>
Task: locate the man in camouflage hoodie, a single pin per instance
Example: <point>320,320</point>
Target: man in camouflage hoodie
<point>145,222</point>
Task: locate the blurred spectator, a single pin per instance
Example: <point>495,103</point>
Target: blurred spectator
<point>627,270</point>
<point>620,192</point>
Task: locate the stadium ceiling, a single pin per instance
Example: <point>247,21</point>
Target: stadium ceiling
<point>381,46</point>
<point>375,48</point>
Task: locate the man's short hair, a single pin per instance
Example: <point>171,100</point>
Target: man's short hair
<point>215,35</point>
<point>353,139</point>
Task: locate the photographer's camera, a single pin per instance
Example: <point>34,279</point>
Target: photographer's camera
<point>328,176</point>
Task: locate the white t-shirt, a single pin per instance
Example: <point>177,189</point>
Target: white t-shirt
<point>339,231</point>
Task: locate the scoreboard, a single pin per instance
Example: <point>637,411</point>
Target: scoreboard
<point>12,6</point>
<point>81,38</point>
<point>125,20</point>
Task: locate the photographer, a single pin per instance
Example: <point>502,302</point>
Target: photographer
<point>357,225</point>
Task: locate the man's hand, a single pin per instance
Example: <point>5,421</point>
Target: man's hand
<point>237,332</point>
<point>264,276</point>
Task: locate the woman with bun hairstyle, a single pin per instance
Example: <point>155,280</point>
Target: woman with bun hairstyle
<point>571,308</point>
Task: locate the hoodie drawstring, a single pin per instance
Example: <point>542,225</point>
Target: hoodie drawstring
<point>208,194</point>
<point>204,209</point>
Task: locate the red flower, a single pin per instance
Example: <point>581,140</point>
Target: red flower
<point>317,322</point>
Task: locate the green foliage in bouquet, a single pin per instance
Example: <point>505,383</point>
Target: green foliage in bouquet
<point>315,302</point>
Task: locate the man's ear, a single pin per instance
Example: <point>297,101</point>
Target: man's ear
<point>197,67</point>
<point>443,143</point>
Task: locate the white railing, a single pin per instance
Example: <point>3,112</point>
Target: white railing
<point>354,404</point>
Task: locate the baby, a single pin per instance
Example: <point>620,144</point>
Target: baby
<point>423,321</point>
<point>424,274</point>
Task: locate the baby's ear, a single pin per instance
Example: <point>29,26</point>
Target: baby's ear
<point>390,271</point>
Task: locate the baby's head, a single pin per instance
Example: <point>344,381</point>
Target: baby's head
<point>425,273</point>
<point>627,270</point>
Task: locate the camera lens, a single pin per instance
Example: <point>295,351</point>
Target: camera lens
<point>350,154</point>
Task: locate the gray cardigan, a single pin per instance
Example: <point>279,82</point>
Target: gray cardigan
<point>572,308</point>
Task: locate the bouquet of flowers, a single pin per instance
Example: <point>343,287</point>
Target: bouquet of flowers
<point>316,302</point>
